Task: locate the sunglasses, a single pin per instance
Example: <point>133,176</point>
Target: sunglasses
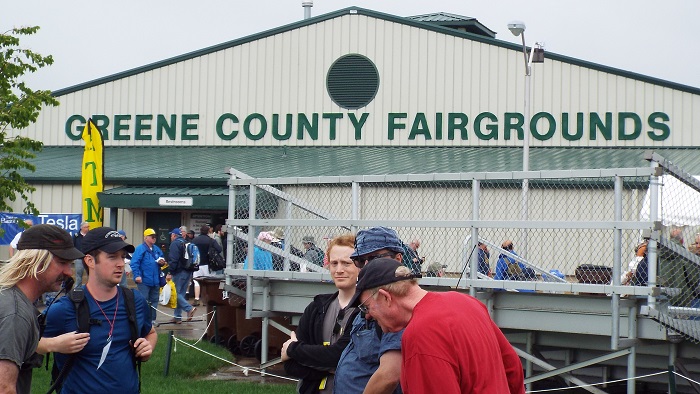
<point>338,328</point>
<point>362,261</point>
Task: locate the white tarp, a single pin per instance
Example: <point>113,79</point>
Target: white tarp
<point>679,204</point>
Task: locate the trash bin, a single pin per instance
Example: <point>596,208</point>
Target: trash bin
<point>593,274</point>
<point>211,296</point>
<point>240,335</point>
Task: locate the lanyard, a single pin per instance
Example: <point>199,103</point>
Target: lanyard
<point>114,318</point>
<point>105,350</point>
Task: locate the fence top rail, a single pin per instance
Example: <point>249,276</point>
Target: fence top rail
<point>441,177</point>
<point>674,170</point>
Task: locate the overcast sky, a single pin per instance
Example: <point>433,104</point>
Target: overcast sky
<point>93,39</point>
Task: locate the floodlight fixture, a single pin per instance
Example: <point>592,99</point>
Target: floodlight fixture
<point>516,27</point>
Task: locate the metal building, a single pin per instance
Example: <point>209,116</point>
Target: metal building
<point>357,92</point>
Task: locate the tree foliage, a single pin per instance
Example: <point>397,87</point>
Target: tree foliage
<point>19,107</point>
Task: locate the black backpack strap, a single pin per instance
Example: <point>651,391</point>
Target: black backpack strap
<point>82,317</point>
<point>133,326</point>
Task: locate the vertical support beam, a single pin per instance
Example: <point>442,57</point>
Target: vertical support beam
<point>251,258</point>
<point>113,216</point>
<point>474,263</point>
<point>526,152</point>
<point>529,347</point>
<point>672,354</point>
<point>355,205</point>
<point>287,244</point>
<point>265,324</point>
<point>568,357</point>
<point>617,262</point>
<point>632,357</point>
<point>215,316</point>
<point>230,238</point>
<point>652,250</point>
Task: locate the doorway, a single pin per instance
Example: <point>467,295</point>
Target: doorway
<point>162,223</point>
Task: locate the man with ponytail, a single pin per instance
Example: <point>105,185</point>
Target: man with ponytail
<point>43,260</point>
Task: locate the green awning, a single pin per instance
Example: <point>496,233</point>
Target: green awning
<point>182,197</point>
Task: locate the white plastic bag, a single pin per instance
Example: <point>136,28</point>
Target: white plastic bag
<point>164,298</point>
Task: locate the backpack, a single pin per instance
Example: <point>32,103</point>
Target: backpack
<point>190,258</point>
<point>216,261</point>
<point>82,316</point>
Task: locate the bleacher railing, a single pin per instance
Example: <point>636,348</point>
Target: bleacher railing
<point>583,228</point>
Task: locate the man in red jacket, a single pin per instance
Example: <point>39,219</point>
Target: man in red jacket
<point>449,341</point>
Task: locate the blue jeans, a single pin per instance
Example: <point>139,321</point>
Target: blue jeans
<point>151,294</point>
<point>79,269</point>
<point>182,281</point>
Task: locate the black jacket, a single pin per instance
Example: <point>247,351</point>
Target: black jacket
<point>204,242</point>
<point>310,359</point>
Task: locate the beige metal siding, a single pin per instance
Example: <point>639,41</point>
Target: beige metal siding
<point>421,71</point>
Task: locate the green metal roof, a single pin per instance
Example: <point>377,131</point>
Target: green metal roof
<point>378,15</point>
<point>454,21</point>
<point>441,17</point>
<point>204,166</point>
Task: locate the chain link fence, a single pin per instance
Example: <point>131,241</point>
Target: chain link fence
<point>592,231</point>
<point>677,210</point>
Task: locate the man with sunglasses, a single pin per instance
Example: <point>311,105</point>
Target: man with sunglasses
<point>372,360</point>
<point>312,353</point>
<point>450,344</point>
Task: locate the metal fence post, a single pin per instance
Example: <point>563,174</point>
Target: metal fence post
<point>168,353</point>
<point>355,204</point>
<point>474,263</point>
<point>652,251</point>
<point>231,244</point>
<point>617,262</point>
<point>251,258</point>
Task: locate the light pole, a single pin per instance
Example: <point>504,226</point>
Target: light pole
<point>536,56</point>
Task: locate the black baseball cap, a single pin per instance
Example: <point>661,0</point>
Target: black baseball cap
<point>105,239</point>
<point>379,272</point>
<point>49,237</point>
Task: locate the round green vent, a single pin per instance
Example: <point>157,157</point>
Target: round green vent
<point>353,81</point>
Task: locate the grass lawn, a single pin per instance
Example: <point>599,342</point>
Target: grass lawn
<point>186,366</point>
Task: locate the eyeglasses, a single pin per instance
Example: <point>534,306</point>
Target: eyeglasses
<point>364,308</point>
<point>361,261</point>
<point>338,328</point>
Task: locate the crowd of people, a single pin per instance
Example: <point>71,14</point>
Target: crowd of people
<point>96,358</point>
<point>374,334</point>
<point>674,271</point>
<point>377,332</point>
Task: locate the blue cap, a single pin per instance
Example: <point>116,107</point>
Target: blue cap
<point>376,238</point>
<point>176,231</point>
<point>122,233</point>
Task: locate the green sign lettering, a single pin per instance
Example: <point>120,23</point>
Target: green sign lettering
<point>224,135</point>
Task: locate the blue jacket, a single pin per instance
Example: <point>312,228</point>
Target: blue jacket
<point>262,259</point>
<point>502,273</point>
<point>143,264</point>
<point>175,254</point>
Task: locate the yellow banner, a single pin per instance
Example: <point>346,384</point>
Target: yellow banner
<point>93,175</point>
